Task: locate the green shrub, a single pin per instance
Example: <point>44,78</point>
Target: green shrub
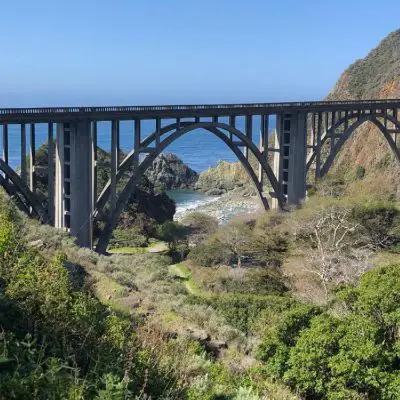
<point>210,253</point>
<point>131,237</point>
<point>133,220</point>
<point>265,281</point>
<point>350,356</point>
<point>58,342</point>
<point>11,235</point>
<point>254,281</point>
<point>268,247</point>
<point>307,363</point>
<point>276,347</point>
<point>171,232</point>
<point>198,226</point>
<point>360,172</point>
<point>200,222</point>
<point>243,311</point>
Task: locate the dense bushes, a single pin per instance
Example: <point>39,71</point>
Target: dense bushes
<point>252,281</point>
<point>354,355</point>
<point>245,312</point>
<point>210,253</point>
<point>199,226</point>
<point>339,237</point>
<point>240,243</point>
<point>131,237</point>
<point>282,336</point>
<point>57,342</point>
<point>348,349</point>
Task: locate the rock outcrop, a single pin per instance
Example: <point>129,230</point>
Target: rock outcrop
<point>169,172</point>
<point>225,177</point>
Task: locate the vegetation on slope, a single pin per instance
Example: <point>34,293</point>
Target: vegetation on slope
<point>58,341</point>
<point>137,339</point>
<point>235,327</point>
<point>340,345</point>
<point>375,76</point>
<point>353,355</point>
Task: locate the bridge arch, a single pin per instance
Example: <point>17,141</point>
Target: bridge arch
<point>179,130</point>
<point>373,117</point>
<point>211,127</point>
<point>31,199</point>
<point>326,135</point>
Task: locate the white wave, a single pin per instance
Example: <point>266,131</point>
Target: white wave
<point>193,204</point>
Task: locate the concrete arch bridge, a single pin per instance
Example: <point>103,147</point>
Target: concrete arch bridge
<point>308,137</point>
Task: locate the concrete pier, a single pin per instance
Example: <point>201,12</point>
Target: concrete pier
<point>297,171</point>
<point>74,203</point>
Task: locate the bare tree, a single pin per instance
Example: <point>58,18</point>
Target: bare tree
<point>235,236</point>
<point>340,247</point>
<point>330,186</point>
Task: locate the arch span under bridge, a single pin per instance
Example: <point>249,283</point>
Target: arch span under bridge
<point>308,136</point>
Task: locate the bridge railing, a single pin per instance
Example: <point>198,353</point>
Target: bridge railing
<point>124,109</point>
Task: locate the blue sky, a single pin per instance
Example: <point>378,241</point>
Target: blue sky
<point>74,52</point>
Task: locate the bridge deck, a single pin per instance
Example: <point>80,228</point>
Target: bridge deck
<point>60,114</point>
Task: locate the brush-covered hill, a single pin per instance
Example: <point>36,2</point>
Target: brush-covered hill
<point>377,76</point>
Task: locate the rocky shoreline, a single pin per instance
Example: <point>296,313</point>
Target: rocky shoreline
<point>227,185</point>
<point>225,208</point>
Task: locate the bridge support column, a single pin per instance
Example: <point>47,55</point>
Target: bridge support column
<point>60,166</point>
<point>5,143</point>
<point>276,163</point>
<point>24,173</point>
<point>263,147</point>
<point>284,124</point>
<point>50,172</point>
<point>297,168</point>
<point>32,158</point>
<point>75,180</point>
<point>249,133</point>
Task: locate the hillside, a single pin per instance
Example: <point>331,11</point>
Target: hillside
<point>231,321</point>
<point>375,76</point>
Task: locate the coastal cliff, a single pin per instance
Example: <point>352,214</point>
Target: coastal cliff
<point>377,76</point>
